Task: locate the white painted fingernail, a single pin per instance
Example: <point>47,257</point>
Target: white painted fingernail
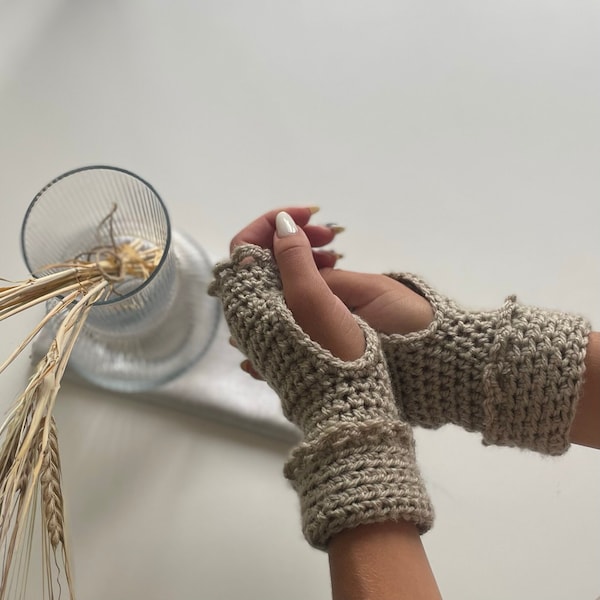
<point>284,224</point>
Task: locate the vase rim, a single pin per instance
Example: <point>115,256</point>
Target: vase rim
<point>102,167</point>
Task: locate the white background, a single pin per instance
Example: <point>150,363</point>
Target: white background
<point>459,140</point>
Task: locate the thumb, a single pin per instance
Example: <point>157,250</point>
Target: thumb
<point>316,309</point>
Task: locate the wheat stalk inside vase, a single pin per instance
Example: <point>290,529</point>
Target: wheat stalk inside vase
<point>29,458</point>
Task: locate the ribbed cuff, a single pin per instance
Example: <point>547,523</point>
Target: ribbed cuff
<point>355,474</point>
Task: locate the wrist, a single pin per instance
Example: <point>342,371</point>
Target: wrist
<point>585,430</point>
<point>364,563</point>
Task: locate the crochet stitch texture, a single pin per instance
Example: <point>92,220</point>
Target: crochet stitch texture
<point>356,463</point>
<point>514,374</point>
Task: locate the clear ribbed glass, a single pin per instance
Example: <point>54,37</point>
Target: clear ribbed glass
<point>146,332</point>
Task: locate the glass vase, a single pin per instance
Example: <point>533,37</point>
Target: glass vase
<point>147,332</point>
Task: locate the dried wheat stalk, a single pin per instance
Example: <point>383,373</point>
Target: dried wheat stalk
<point>29,457</point>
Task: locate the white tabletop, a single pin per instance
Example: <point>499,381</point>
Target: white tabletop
<point>457,140</point>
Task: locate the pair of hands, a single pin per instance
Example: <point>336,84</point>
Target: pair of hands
<point>322,298</point>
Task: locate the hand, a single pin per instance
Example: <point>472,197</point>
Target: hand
<point>387,305</point>
<point>316,309</point>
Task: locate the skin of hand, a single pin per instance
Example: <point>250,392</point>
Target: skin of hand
<point>386,305</point>
<point>383,560</point>
<point>320,313</point>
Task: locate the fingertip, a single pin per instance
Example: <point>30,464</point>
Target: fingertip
<point>248,367</point>
<point>294,256</point>
<point>285,225</point>
<point>319,235</point>
<point>326,259</point>
<point>289,235</point>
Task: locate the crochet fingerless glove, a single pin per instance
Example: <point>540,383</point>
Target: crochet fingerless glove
<point>514,374</point>
<point>356,463</point>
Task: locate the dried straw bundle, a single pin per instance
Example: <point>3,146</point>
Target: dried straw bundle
<point>29,457</point>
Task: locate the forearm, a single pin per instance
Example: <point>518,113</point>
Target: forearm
<point>585,429</point>
<point>382,561</point>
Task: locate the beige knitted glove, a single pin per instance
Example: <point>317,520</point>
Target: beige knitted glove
<point>356,464</point>
<point>514,374</point>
